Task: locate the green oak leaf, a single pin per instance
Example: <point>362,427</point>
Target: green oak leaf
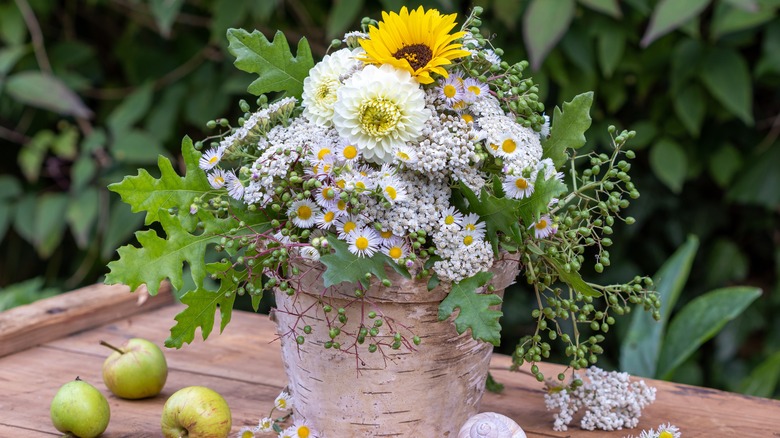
<point>545,190</point>
<point>277,68</point>
<point>145,193</point>
<point>341,265</point>
<point>568,128</point>
<point>475,312</point>
<point>161,258</point>
<point>202,304</point>
<point>499,214</point>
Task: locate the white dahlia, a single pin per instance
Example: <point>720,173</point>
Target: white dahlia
<point>320,87</point>
<point>379,109</point>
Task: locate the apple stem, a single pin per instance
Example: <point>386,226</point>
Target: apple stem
<point>106,344</point>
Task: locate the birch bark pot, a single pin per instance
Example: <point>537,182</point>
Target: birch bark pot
<point>390,393</point>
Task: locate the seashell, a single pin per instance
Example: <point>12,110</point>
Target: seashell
<point>490,425</point>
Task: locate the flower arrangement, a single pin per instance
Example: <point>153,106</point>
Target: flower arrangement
<point>415,148</point>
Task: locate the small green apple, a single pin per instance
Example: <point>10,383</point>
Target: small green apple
<point>196,412</point>
<point>80,409</point>
<point>135,370</point>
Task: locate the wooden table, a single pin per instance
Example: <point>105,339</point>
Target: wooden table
<point>50,342</point>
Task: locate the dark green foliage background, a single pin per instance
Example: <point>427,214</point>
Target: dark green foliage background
<point>92,90</point>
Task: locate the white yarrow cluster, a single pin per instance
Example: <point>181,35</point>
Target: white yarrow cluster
<point>611,399</point>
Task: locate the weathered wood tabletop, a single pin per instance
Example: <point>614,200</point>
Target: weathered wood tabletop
<point>50,342</point>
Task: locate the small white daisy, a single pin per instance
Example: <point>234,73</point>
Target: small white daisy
<point>451,89</point>
<point>668,430</point>
<point>287,433</point>
<point>234,186</point>
<point>217,178</point>
<point>393,189</point>
<point>246,432</point>
<point>507,147</point>
<point>544,227</point>
<point>321,170</point>
<point>452,216</point>
<point>363,242</point>
<point>386,235</point>
<point>471,223</point>
<point>470,237</point>
<point>545,132</point>
<point>284,401</point>
<point>326,195</point>
<point>345,225</point>
<point>473,89</point>
<point>320,152</point>
<point>301,429</point>
<point>210,158</point>
<point>517,187</point>
<point>396,248</point>
<point>303,213</point>
<point>266,425</point>
<point>309,252</point>
<point>325,219</point>
<point>405,154</point>
<point>346,153</point>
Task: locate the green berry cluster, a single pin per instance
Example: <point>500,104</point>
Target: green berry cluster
<point>567,306</point>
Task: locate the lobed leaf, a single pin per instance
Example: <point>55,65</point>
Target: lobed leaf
<point>143,192</point>
<point>499,214</point>
<point>568,128</point>
<point>475,312</point>
<point>343,266</point>
<point>277,68</point>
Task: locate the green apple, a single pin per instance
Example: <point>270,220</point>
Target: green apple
<point>80,409</point>
<point>196,412</point>
<point>135,370</point>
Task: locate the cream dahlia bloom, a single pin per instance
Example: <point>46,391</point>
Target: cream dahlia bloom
<point>320,87</point>
<point>379,109</point>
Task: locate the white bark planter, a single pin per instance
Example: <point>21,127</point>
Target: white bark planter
<point>428,392</point>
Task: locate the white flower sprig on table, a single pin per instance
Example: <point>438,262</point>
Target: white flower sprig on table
<point>612,401</point>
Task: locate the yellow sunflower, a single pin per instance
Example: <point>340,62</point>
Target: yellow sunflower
<point>418,42</point>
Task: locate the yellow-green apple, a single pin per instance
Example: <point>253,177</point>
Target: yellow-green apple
<point>79,409</point>
<point>196,411</point>
<point>135,370</point>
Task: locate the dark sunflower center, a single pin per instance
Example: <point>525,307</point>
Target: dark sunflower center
<point>418,55</point>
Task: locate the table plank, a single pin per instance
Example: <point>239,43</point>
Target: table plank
<point>27,326</point>
<point>244,365</point>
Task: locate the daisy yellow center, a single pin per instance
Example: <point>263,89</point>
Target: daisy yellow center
<point>341,183</point>
<point>467,117</point>
<point>391,193</point>
<point>349,226</point>
<point>247,434</point>
<point>542,224</point>
<point>521,183</point>
<point>360,185</point>
<point>386,234</point>
<point>304,212</point>
<point>282,403</point>
<point>459,105</point>
<point>303,431</point>
<point>450,91</point>
<point>361,243</point>
<point>508,146</point>
<point>471,227</point>
<point>494,146</point>
<point>324,152</point>
<point>468,240</point>
<point>403,156</point>
<point>378,117</point>
<point>395,252</point>
<point>341,205</point>
<point>350,152</point>
<point>665,434</point>
<point>219,180</point>
<point>449,220</point>
<point>329,217</point>
<point>328,193</point>
<point>418,55</point>
<point>326,92</point>
<point>475,90</point>
<point>213,159</point>
<point>326,168</point>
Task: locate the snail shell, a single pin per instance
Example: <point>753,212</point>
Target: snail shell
<point>490,425</point>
